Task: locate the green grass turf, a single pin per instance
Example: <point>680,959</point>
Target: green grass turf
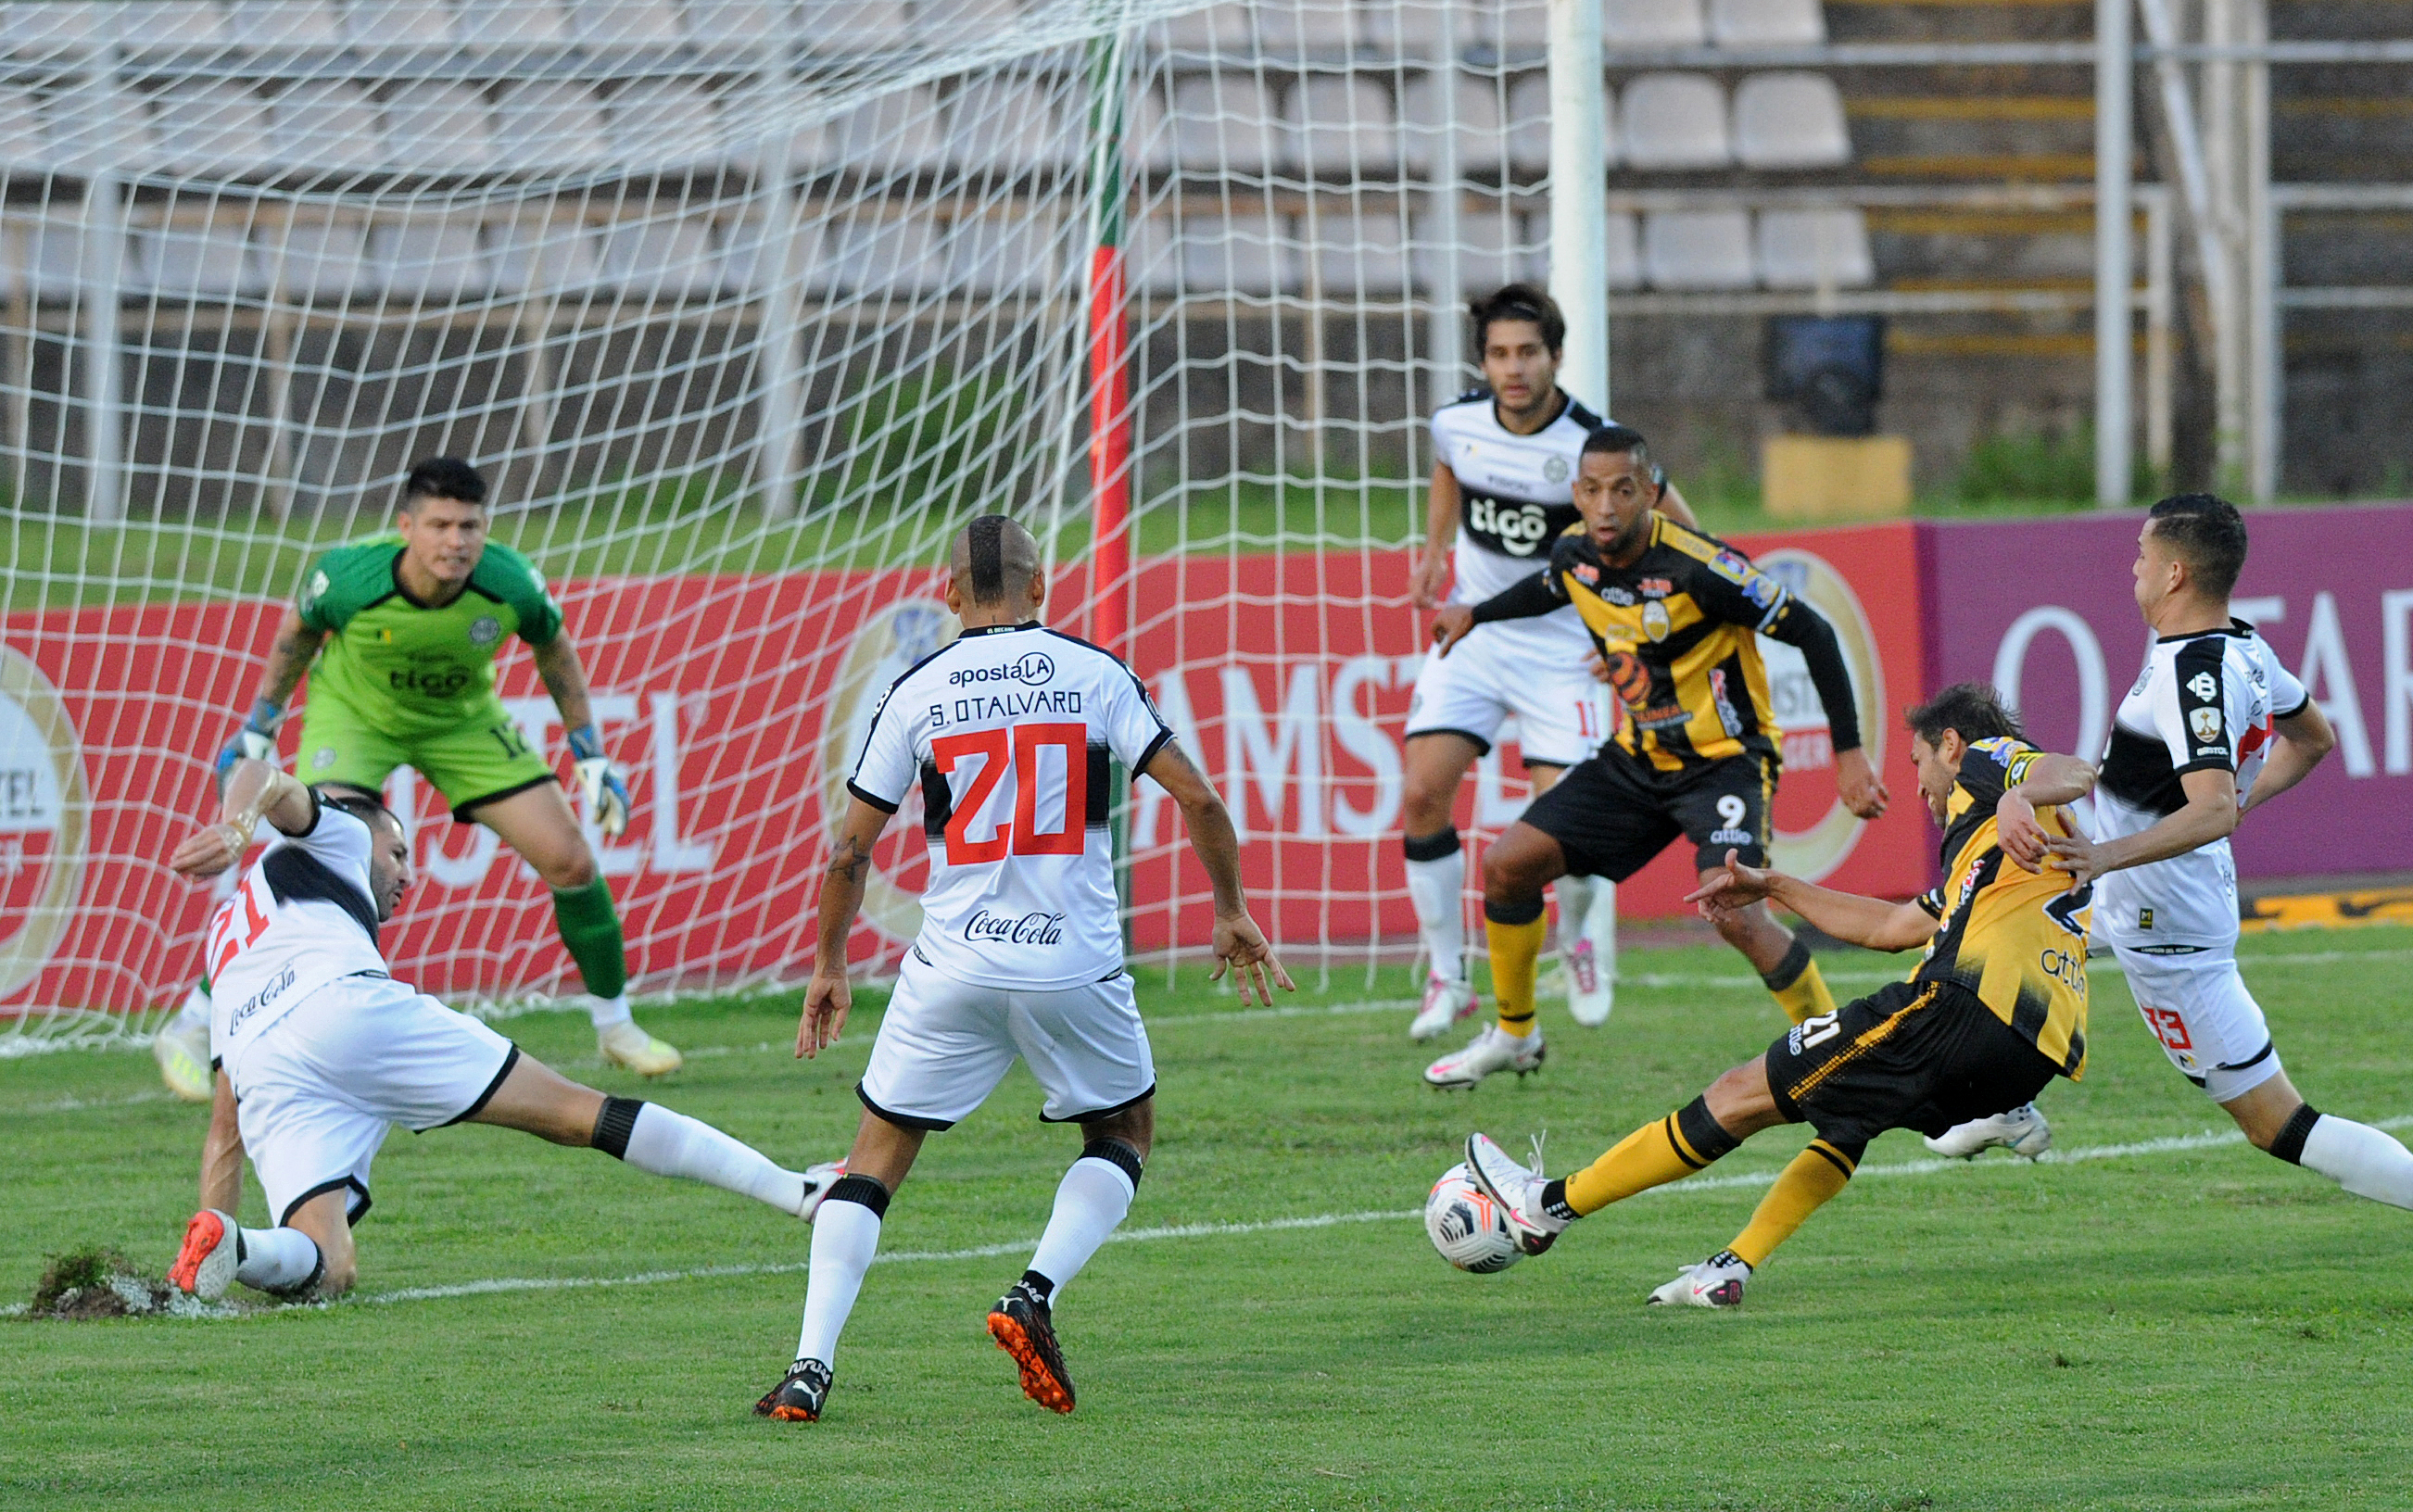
<point>2203,1330</point>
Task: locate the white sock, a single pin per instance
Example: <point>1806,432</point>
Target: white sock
<point>846,1236</point>
<point>1437,889</point>
<point>2365,1160</point>
<point>195,1013</point>
<point>606,1012</point>
<point>1575,903</point>
<point>1090,1200</point>
<point>672,1144</point>
<point>276,1259</point>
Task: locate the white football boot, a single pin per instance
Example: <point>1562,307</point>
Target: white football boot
<point>626,1046</point>
<point>205,1263</point>
<point>2022,1131</point>
<point>1517,1189</point>
<point>817,1180</point>
<point>1494,1049</point>
<point>1591,963</point>
<point>184,1057</point>
<point>1716,1282</point>
<point>1448,999</point>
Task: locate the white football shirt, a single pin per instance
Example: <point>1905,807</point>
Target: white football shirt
<point>2203,703</point>
<point>301,916</point>
<point>1014,731</point>
<point>1515,493</point>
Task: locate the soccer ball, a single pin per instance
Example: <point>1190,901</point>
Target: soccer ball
<point>1467,1226</point>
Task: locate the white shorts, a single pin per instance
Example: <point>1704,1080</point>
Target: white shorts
<point>945,1044</point>
<point>2208,1024</point>
<point>1538,670</point>
<point>319,1088</point>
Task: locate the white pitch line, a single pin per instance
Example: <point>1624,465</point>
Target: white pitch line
<point>79,1105</point>
<point>2166,1144</point>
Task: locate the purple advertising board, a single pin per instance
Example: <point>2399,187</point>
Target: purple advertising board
<point>2044,609</point>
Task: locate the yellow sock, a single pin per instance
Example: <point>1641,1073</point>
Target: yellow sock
<point>1652,1155</point>
<point>1515,946</point>
<point>1816,1175</point>
<point>1797,987</point>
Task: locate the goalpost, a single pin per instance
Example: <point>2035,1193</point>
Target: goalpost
<point>744,306</point>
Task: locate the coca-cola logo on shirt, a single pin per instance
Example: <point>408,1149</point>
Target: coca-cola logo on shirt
<point>1025,929</point>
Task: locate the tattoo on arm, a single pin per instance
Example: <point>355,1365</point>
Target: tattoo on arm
<point>849,859</point>
<point>287,659</point>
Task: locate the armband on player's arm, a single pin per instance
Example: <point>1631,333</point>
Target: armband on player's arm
<point>1524,600</point>
<point>1807,630</point>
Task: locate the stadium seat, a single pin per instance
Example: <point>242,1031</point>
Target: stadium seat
<point>1621,248</point>
<point>1674,121</point>
<point>1238,255</point>
<point>1341,127</point>
<point>1697,249</point>
<point>373,25</point>
<point>1484,236</point>
<point>667,254</point>
<point>94,128</point>
<point>872,253</point>
<point>1519,28</point>
<point>1148,135</point>
<point>967,20</point>
<point>161,25</point>
<point>1475,108</point>
<point>624,24</point>
<point>1766,22</point>
<point>330,123</point>
<point>546,125</point>
<point>1790,120</point>
<point>196,255</point>
<point>439,129</point>
<point>1007,124</point>
<point>44,31</point>
<point>1224,29</point>
<point>47,251</point>
<point>432,257</point>
<point>1220,123</point>
<point>896,133</point>
<point>859,26</point>
<point>1354,251</point>
<point>1652,24</point>
<point>273,23</point>
<point>1809,248</point>
<point>211,129</point>
<point>734,22</point>
<point>664,125</point>
<point>498,25</point>
<point>23,146</point>
<point>1152,254</point>
<point>534,253</point>
<point>318,257</point>
<point>1529,123</point>
<point>1013,253</point>
<point>1312,28</point>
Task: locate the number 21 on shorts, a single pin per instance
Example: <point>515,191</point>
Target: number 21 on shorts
<point>1023,835</point>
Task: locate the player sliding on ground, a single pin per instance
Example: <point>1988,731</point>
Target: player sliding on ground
<point>1676,617</point>
<point>1014,732</point>
<point>2214,729</point>
<point>320,1052</point>
<point>1995,1010</point>
<point>1504,466</point>
<point>410,625</point>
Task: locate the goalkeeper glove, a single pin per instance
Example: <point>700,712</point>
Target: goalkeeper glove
<point>255,740</point>
<point>599,782</point>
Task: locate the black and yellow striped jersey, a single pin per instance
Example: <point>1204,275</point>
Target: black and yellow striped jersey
<point>2015,938</point>
<point>1679,630</point>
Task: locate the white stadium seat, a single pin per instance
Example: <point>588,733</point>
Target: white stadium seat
<point>1697,249</point>
<point>320,124</point>
<point>1518,27</point>
<point>192,256</point>
<point>549,124</point>
<point>1620,249</point>
<point>1148,135</point>
<point>1152,254</point>
<point>1306,29</point>
<point>872,253</point>
<point>47,250</point>
<point>1352,251</point>
<point>1652,24</point>
<point>966,21</point>
<point>1766,22</point>
<point>665,124</point>
<point>1009,125</point>
<point>439,129</point>
<point>896,133</point>
<point>1016,253</point>
<point>23,146</point>
<point>174,23</point>
<point>96,129</point>
<point>1815,248</point>
<point>1220,123</point>
<point>1473,101</point>
<point>1237,254</point>
<point>211,129</point>
<point>428,256</point>
<point>534,253</point>
<point>1340,123</point>
<point>398,23</point>
<point>318,257</point>
<point>614,23</point>
<point>1223,28</point>
<point>668,254</point>
<point>858,26</point>
<point>1529,123</point>
<point>1484,237</point>
<point>37,29</point>
<point>260,24</point>
<point>734,22</point>
<point>511,26</point>
<point>1674,121</point>
<point>1790,120</point>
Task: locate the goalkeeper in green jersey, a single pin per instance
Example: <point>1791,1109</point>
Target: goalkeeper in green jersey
<point>406,629</point>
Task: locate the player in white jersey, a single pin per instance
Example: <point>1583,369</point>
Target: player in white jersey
<point>1014,732</point>
<point>318,1053</point>
<point>2214,729</point>
<point>1504,460</point>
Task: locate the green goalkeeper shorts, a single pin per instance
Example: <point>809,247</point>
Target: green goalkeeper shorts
<point>483,758</point>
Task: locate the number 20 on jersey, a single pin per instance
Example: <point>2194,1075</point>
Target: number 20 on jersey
<point>1033,772</point>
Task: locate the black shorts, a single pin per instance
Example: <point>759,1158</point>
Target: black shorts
<point>1614,812</point>
<point>1911,1055</point>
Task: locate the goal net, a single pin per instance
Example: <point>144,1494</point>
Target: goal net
<point>743,306</point>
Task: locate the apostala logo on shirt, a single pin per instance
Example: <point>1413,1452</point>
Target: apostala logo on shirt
<point>485,630</point>
<point>45,815</point>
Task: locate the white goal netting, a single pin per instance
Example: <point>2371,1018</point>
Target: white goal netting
<point>741,306</point>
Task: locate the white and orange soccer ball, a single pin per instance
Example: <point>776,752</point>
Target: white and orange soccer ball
<point>1467,1226</point>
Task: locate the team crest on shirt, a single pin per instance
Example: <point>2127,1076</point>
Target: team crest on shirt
<point>1555,469</point>
<point>2205,721</point>
<point>485,630</point>
<point>1655,620</point>
<point>2204,686</point>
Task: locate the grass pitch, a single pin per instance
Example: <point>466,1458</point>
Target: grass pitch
<point>2190,1325</point>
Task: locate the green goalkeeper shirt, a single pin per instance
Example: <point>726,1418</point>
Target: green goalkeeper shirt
<point>408,668</point>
